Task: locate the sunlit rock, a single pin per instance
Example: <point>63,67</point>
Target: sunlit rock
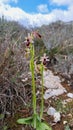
<point>57,117</point>
<point>70,95</point>
<point>53,85</point>
<point>51,111</point>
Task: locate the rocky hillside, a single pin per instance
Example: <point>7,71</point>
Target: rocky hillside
<point>58,34</point>
<point>58,39</point>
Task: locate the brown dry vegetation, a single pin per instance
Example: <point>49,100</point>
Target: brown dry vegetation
<point>15,79</point>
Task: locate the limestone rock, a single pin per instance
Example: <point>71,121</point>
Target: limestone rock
<point>53,85</point>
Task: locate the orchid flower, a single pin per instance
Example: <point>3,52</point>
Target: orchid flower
<point>29,40</point>
<point>44,59</point>
<point>36,34</point>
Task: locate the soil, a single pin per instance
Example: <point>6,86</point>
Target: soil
<point>25,111</point>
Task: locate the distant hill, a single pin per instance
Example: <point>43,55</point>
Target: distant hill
<point>58,39</point>
<point>58,34</point>
<point>12,35</point>
<point>12,30</point>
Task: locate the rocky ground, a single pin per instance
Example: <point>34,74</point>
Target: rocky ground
<point>58,100</point>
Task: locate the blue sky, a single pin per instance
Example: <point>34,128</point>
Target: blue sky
<point>31,7</point>
<point>37,12</point>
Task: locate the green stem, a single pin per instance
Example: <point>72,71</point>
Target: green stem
<point>42,91</point>
<point>33,83</point>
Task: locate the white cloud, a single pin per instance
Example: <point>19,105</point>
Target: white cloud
<point>62,2</point>
<point>17,14</point>
<point>7,1</point>
<point>43,8</point>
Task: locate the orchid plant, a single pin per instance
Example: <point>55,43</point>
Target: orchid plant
<point>35,120</point>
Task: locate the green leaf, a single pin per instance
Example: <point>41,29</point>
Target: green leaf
<point>43,126</point>
<point>36,120</point>
<point>1,116</point>
<point>27,120</point>
<point>5,128</point>
<point>67,127</point>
